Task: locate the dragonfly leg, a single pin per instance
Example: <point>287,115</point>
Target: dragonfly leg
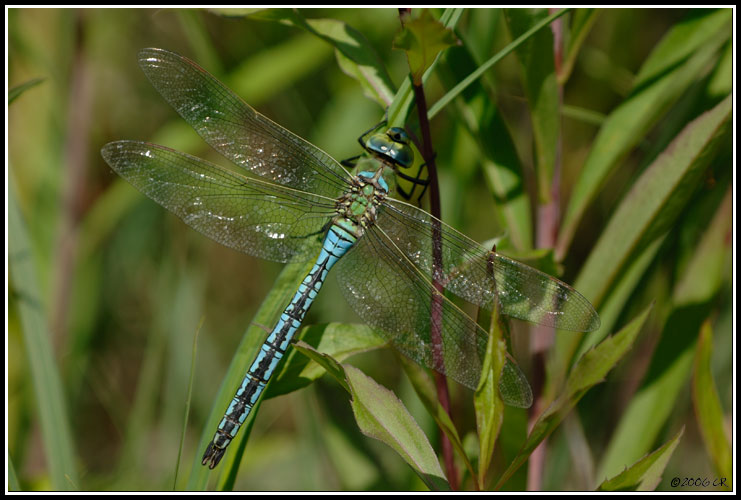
<point>350,162</point>
<point>361,139</point>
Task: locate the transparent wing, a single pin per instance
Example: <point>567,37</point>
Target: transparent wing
<point>256,217</point>
<point>237,131</point>
<point>481,276</point>
<point>391,294</point>
<point>513,386</point>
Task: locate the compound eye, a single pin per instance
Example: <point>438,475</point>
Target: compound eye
<point>398,134</point>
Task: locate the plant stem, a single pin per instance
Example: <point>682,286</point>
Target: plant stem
<point>437,265</point>
<point>546,237</point>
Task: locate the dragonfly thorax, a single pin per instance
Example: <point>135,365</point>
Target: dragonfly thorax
<point>359,205</point>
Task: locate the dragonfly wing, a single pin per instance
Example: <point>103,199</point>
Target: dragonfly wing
<point>237,131</point>
<point>391,294</point>
<point>513,386</point>
<point>481,276</point>
<point>256,217</point>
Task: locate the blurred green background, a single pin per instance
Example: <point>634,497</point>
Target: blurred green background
<point>124,284</point>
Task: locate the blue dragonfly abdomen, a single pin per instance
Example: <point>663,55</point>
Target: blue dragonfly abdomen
<point>355,211</point>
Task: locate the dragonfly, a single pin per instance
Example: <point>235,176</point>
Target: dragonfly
<point>289,201</point>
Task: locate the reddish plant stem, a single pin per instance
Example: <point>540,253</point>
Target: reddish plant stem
<point>76,149</point>
<point>546,237</point>
<point>437,281</point>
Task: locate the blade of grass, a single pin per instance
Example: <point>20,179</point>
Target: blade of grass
<point>538,76</point>
<point>45,376</point>
<point>588,371</point>
<point>656,88</point>
<point>188,398</point>
<point>672,360</point>
<point>13,483</point>
<point>455,91</point>
<point>645,474</point>
<point>274,303</point>
<point>581,24</point>
<point>481,117</point>
<point>708,408</point>
<point>651,207</point>
<point>16,91</point>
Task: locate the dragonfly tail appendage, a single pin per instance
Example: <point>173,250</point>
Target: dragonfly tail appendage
<point>213,455</point>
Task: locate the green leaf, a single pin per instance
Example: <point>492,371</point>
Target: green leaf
<point>621,292</point>
<point>422,40</point>
<point>51,411</point>
<point>711,259</point>
<point>538,74</point>
<point>588,371</point>
<point>581,24</point>
<point>338,340</point>
<point>708,409</point>
<point>16,91</point>
<point>381,415</point>
<point>479,114</point>
<point>330,365</point>
<point>645,474</point>
<point>672,360</point>
<point>721,81</point>
<point>460,87</point>
<point>592,368</point>
<point>649,408</point>
<point>425,389</point>
<point>583,115</point>
<point>357,58</point>
<point>13,483</point>
<point>651,207</point>
<point>682,41</point>
<point>355,55</point>
<point>404,98</point>
<point>658,86</point>
<point>486,400</point>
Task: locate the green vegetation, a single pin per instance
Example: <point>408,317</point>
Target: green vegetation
<point>608,164</point>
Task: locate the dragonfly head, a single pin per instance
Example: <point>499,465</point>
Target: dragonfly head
<point>392,146</point>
